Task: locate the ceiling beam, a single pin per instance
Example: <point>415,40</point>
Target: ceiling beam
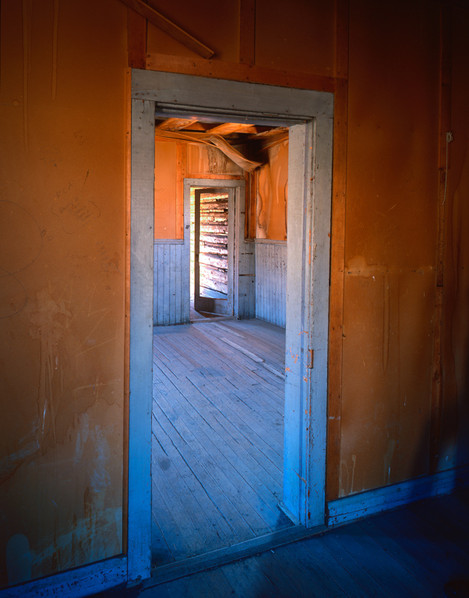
<point>158,20</point>
<point>228,128</point>
<point>175,124</point>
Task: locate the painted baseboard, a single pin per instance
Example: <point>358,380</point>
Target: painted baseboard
<point>367,503</point>
<point>230,554</point>
<point>75,583</point>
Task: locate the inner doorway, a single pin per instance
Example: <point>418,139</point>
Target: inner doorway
<point>212,250</point>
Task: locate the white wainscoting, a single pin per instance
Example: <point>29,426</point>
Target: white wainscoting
<point>271,277</point>
<point>171,304</point>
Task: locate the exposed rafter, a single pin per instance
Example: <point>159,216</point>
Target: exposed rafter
<point>212,140</point>
<point>228,128</point>
<point>158,20</point>
<point>175,124</point>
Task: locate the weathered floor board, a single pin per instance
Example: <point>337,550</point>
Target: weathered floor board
<point>420,550</point>
<point>217,436</point>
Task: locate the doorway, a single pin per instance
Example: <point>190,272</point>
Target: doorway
<point>212,248</point>
<point>309,115</point>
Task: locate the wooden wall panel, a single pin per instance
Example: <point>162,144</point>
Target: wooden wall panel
<point>215,23</point>
<point>271,282</point>
<point>390,243</point>
<point>296,36</point>
<point>171,284</point>
<point>62,215</point>
<point>168,222</point>
<point>453,441</point>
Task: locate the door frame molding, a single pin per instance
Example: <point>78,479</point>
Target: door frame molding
<point>238,186</point>
<point>310,114</point>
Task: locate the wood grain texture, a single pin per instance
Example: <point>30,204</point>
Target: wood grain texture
<point>217,436</point>
<point>171,284</point>
<point>136,39</point>
<point>238,72</point>
<point>271,281</point>
<point>339,194</point>
<point>169,27</point>
<point>444,126</point>
<point>416,550</point>
<point>247,32</point>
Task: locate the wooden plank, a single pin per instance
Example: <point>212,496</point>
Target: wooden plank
<point>170,283</point>
<point>301,570</point>
<point>360,505</point>
<point>339,194</point>
<point>136,39</point>
<point>197,518</point>
<point>222,556</point>
<point>220,478</point>
<point>158,20</point>
<point>264,445</point>
<point>401,553</point>
<point>444,127</point>
<point>271,275</point>
<point>207,361</point>
<point>239,72</point>
<point>174,124</point>
<point>141,339</point>
<point>247,32</point>
<point>268,105</point>
<point>298,323</point>
<point>202,407</point>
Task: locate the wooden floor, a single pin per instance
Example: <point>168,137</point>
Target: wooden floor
<point>417,550</point>
<point>217,436</point>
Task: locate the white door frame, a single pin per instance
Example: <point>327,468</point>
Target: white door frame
<point>310,115</point>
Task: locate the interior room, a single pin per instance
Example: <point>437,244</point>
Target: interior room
<point>234,279</point>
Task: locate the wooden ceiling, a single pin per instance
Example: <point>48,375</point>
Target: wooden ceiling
<point>227,129</point>
<point>245,144</point>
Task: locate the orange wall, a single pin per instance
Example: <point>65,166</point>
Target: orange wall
<point>62,216</point>
<point>271,193</point>
<point>390,244</point>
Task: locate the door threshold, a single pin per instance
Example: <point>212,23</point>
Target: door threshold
<point>223,556</point>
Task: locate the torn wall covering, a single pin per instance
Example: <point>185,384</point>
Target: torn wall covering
<point>62,208</point>
<point>177,160</point>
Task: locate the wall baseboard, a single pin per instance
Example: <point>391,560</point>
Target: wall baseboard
<point>367,503</point>
<point>75,583</point>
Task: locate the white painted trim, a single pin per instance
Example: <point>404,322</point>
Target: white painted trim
<point>141,339</point>
<point>368,503</point>
<point>231,99</point>
<point>75,583</point>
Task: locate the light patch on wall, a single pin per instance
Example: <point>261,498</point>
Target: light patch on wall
<point>49,320</point>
